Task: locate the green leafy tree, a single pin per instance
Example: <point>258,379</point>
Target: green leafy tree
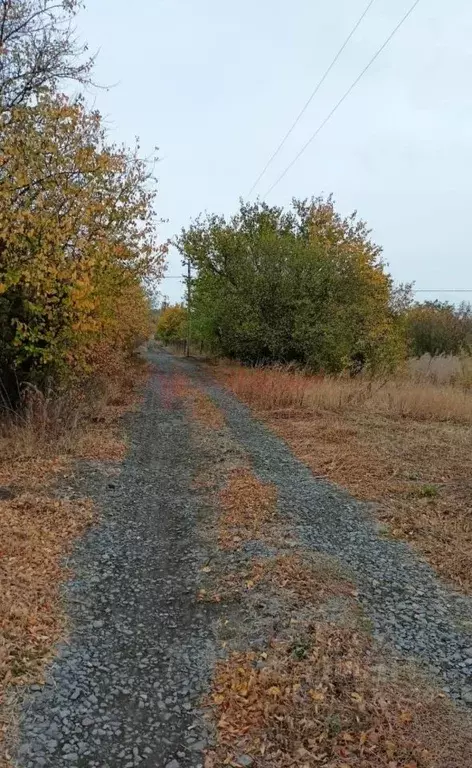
<point>302,285</point>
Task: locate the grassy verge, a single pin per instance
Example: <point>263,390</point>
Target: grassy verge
<point>37,529</point>
<point>403,445</point>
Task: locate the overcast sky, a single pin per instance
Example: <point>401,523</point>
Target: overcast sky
<point>215,84</point>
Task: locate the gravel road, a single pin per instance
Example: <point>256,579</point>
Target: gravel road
<point>126,690</point>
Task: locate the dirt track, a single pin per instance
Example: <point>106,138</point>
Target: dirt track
<point>127,689</point>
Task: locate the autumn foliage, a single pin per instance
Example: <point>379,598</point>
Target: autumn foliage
<point>77,219</point>
<point>76,244</point>
<point>172,324</point>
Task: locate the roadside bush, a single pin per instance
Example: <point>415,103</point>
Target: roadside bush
<point>303,286</point>
<point>439,328</point>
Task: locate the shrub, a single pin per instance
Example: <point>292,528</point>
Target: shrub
<point>303,286</point>
<point>76,244</point>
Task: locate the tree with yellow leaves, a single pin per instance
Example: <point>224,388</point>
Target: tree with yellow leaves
<point>172,324</point>
<point>77,240</point>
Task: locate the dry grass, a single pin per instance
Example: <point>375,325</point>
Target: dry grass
<point>415,468</point>
<point>325,700</point>
<point>442,369</point>
<point>248,510</point>
<point>202,409</point>
<point>80,423</point>
<point>37,529</point>
<point>46,425</point>
<point>272,389</point>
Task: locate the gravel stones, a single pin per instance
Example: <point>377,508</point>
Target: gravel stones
<point>127,685</point>
<point>410,609</point>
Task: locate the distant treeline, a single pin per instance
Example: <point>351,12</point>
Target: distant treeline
<point>439,328</point>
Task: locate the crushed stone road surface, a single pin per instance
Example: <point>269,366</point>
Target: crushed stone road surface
<point>126,690</point>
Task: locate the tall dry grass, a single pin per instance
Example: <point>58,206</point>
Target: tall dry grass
<point>442,369</point>
<point>276,389</point>
<point>51,423</point>
<point>44,423</point>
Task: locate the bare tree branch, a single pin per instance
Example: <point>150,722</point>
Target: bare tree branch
<point>38,49</point>
<point>6,6</point>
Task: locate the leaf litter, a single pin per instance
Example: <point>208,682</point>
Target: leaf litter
<point>319,700</point>
<point>248,510</point>
<point>311,692</point>
<point>37,531</point>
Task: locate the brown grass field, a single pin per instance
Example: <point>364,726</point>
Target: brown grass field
<point>403,443</point>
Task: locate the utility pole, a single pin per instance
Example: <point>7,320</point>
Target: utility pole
<point>189,316</point>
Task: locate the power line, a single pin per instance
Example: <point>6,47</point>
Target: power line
<point>343,98</point>
<point>307,104</point>
<point>175,277</point>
